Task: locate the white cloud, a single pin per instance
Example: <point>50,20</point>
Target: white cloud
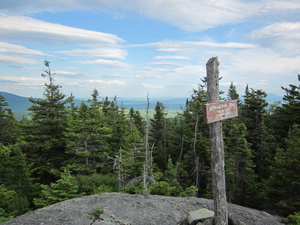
<point>172,57</point>
<point>109,82</point>
<point>108,63</point>
<point>283,37</point>
<point>24,80</point>
<point>66,73</point>
<point>16,60</point>
<point>148,76</point>
<point>153,86</point>
<point>190,15</point>
<point>170,45</point>
<point>8,48</point>
<point>33,30</point>
<point>113,53</point>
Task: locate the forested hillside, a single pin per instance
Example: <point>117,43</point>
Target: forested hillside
<point>65,151</point>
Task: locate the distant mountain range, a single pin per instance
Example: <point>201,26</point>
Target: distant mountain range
<point>19,104</point>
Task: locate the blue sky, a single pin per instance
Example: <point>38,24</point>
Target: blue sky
<point>130,48</point>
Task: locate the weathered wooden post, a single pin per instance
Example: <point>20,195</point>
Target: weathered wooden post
<point>216,111</point>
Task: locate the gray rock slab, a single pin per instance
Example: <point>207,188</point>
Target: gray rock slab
<point>126,209</point>
<point>199,216</point>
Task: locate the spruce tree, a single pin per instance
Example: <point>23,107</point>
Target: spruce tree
<point>9,130</point>
<point>253,114</point>
<point>239,166</point>
<point>193,149</point>
<point>87,136</point>
<point>158,135</point>
<point>284,182</point>
<point>46,147</point>
<point>285,115</point>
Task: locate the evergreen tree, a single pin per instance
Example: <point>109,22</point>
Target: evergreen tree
<point>63,189</point>
<point>285,115</point>
<point>16,184</point>
<point>239,166</point>
<point>284,182</point>
<point>115,118</point>
<point>253,114</point>
<point>158,132</point>
<point>135,119</point>
<point>292,103</point>
<point>193,148</point>
<point>166,183</point>
<point>88,136</point>
<point>46,147</point>
<point>232,93</point>
<point>9,130</point>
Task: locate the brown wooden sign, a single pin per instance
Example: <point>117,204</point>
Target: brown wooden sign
<point>218,111</point>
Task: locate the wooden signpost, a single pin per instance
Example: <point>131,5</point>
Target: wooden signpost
<point>216,111</point>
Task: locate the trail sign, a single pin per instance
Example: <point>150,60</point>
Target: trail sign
<point>218,111</point>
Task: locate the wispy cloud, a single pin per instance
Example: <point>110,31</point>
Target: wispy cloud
<point>153,86</point>
<point>190,15</point>
<point>113,53</point>
<point>23,80</point>
<point>109,82</point>
<point>8,48</point>
<point>283,37</point>
<point>114,64</point>
<point>66,73</point>
<point>16,60</point>
<point>172,57</point>
<point>33,30</point>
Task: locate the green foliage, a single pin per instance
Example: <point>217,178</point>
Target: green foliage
<point>294,219</point>
<point>239,166</point>
<point>284,181</point>
<point>7,210</point>
<point>97,183</point>
<point>9,129</point>
<point>162,188</point>
<point>134,189</point>
<point>96,213</point>
<point>45,140</point>
<point>191,191</point>
<point>63,189</point>
<point>158,132</point>
<point>15,181</point>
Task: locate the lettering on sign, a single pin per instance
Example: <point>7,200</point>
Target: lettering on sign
<point>218,111</point>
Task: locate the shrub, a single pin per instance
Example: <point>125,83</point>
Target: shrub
<point>294,219</point>
<point>97,183</point>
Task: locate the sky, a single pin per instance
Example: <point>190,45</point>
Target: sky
<point>132,48</point>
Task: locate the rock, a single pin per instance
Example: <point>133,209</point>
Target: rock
<point>199,215</point>
<point>126,209</point>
